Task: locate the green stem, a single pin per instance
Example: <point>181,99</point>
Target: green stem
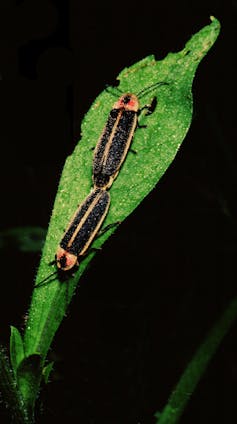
<point>11,395</point>
<point>196,368</point>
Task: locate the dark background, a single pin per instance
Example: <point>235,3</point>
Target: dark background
<point>170,269</point>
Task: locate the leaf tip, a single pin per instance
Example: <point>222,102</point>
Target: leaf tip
<point>215,22</point>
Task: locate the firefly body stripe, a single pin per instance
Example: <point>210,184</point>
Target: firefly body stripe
<point>115,140</point>
<point>82,229</point>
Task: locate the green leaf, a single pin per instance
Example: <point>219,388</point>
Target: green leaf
<point>16,349</point>
<point>28,378</point>
<point>46,371</point>
<point>156,148</point>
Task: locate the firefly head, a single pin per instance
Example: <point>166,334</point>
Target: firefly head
<point>65,260</point>
<point>127,101</point>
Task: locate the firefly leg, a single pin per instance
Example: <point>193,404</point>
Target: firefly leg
<point>104,230</point>
<point>100,233</point>
<point>149,108</point>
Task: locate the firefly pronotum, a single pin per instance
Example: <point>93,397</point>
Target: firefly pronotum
<point>117,135</point>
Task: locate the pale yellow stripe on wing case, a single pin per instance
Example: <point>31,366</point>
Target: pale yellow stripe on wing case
<point>109,142</point>
<point>83,220</point>
<point>96,229</point>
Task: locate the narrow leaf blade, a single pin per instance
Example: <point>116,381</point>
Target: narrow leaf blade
<point>16,349</point>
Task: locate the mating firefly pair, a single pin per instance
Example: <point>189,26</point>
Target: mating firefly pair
<point>109,155</point>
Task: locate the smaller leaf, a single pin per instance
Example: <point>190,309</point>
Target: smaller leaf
<point>16,349</point>
<point>46,371</point>
<point>28,377</point>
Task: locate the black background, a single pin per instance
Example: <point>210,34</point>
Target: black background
<point>159,285</point>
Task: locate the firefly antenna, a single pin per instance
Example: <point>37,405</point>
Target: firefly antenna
<point>146,90</point>
<point>47,280</point>
<point>109,90</point>
<point>140,94</point>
